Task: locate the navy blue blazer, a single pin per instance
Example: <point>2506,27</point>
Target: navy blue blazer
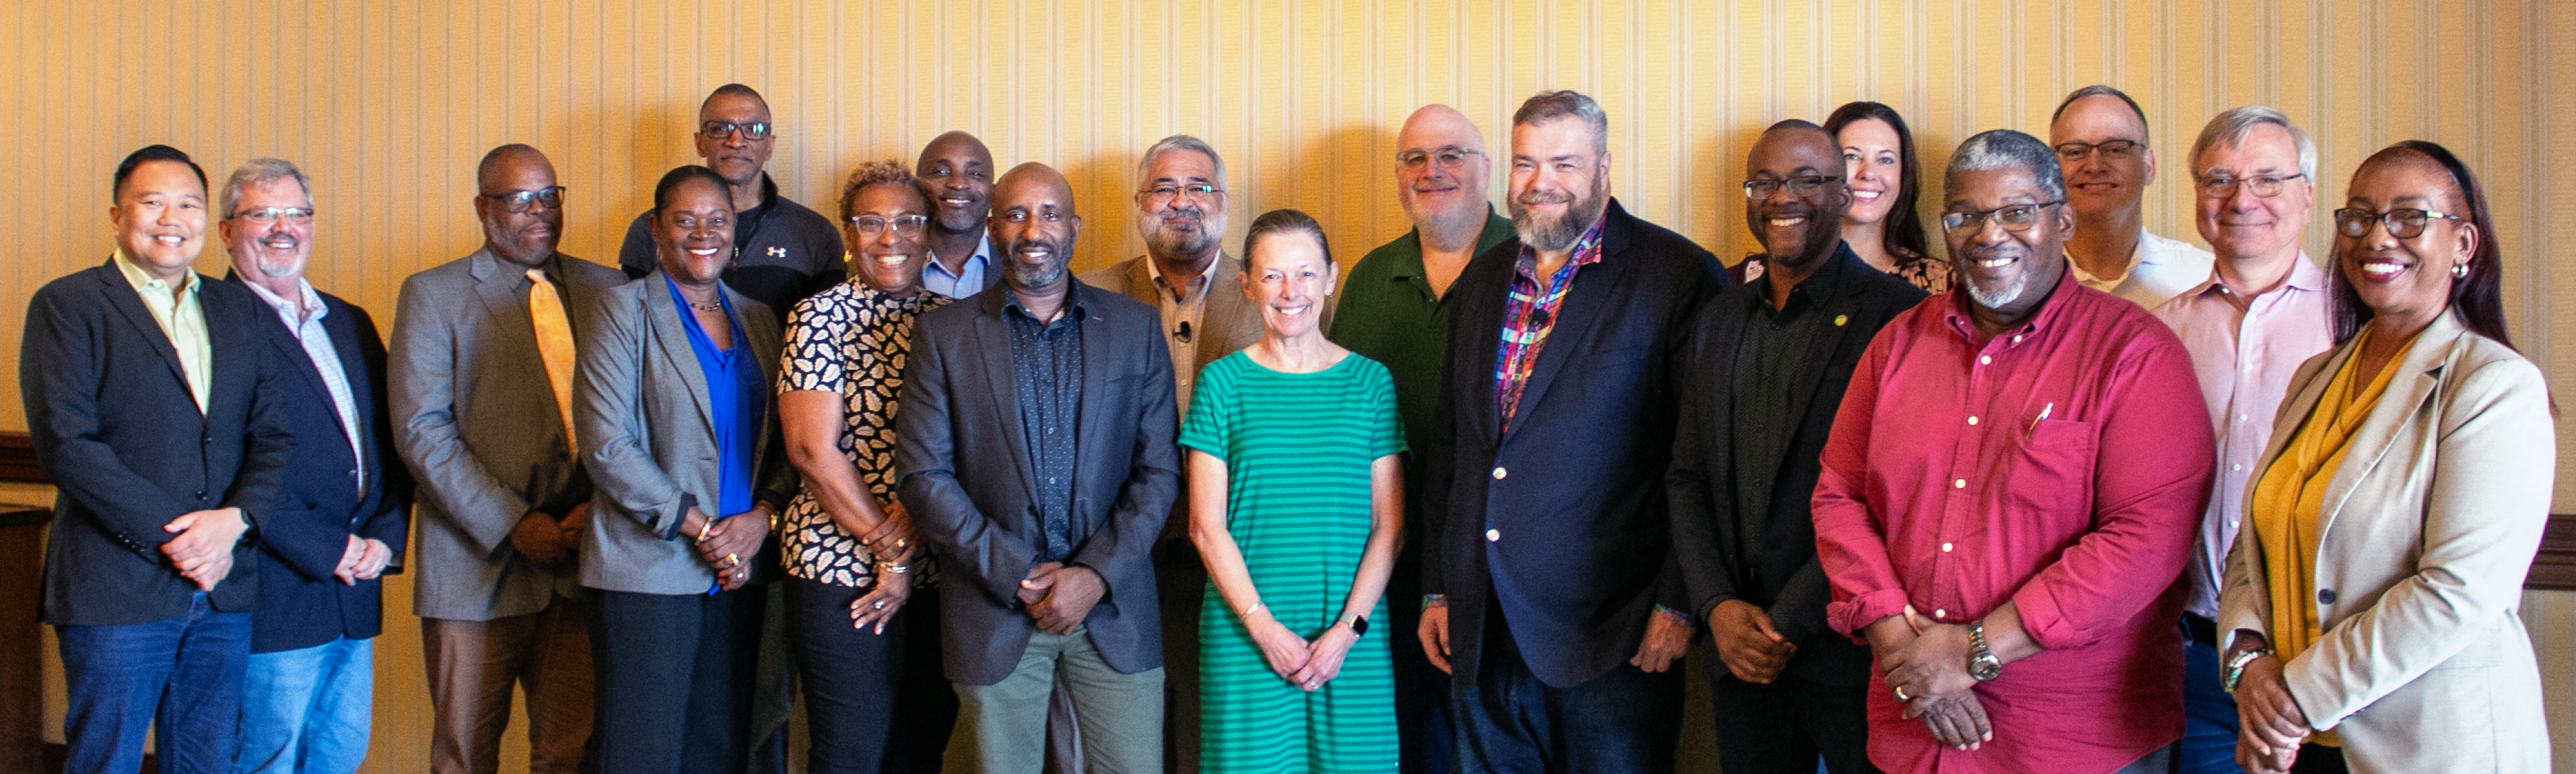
<point>320,506</point>
<point>119,432</point>
<point>1561,522</point>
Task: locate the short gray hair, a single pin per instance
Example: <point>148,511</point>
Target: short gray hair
<point>261,171</point>
<point>1181,142</point>
<point>2007,149</point>
<point>1553,105</point>
<point>2231,128</point>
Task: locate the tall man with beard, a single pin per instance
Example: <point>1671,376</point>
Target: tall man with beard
<point>1550,592</point>
<point>1395,310</point>
<point>1759,382</point>
<point>1039,456</point>
<point>1195,287</point>
<point>2010,490</point>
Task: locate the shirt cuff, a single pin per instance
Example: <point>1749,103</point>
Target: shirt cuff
<point>1677,616</point>
<point>1853,615</point>
<point>680,516</point>
<point>1430,601</point>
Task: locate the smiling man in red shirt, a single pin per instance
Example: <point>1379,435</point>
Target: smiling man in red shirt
<point>2008,496</point>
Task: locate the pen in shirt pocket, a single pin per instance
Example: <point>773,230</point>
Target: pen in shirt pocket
<point>2043,416</point>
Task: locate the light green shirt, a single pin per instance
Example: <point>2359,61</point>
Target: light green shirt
<point>181,318</point>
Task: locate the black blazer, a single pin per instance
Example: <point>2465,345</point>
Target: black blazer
<point>117,429</point>
<point>965,476</point>
<point>1563,518</point>
<point>319,506</point>
<point>1777,569</point>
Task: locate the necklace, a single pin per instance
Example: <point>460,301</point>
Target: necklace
<point>714,307</point>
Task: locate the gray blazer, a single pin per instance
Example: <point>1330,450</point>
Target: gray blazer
<point>1230,321</point>
<point>2427,531</point>
<point>640,405</point>
<point>966,478</point>
<point>477,423</point>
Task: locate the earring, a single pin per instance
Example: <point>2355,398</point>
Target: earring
<point>2460,270</point>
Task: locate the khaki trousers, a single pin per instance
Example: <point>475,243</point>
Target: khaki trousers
<point>472,668</point>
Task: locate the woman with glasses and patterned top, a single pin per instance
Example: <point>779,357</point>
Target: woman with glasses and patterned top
<point>1881,171</point>
<point>862,612</point>
<point>1296,505</point>
<point>2369,615</point>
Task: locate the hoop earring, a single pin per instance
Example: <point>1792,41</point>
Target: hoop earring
<point>2460,270</point>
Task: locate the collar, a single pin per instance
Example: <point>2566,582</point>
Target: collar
<point>134,275</point>
<point>1587,248</point>
<point>1956,313</point>
<point>2304,276</point>
<point>768,193</point>
<point>1821,286</point>
<point>1077,303</point>
<point>1199,285</point>
<point>1497,229</point>
<point>983,254</point>
<point>309,298</point>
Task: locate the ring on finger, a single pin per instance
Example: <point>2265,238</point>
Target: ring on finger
<point>880,604</point>
<point>1900,694</point>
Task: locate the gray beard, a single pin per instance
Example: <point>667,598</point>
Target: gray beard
<point>1026,277</point>
<point>1164,242</point>
<point>1549,237</point>
<point>1997,298</point>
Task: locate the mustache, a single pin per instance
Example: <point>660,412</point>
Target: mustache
<point>1547,197</point>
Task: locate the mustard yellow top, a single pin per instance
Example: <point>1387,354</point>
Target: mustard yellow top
<point>2289,501</point>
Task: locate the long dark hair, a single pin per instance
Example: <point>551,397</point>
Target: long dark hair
<point>1904,231</point>
<point>2479,297</point>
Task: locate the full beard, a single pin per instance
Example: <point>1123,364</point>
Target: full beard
<point>1549,236</point>
<point>1169,240</point>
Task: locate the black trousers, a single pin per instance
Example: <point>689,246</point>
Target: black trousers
<point>674,674</point>
<point>873,702</point>
<point>2319,759</point>
<point>1782,727</point>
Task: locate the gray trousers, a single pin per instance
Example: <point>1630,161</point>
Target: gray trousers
<point>1001,728</point>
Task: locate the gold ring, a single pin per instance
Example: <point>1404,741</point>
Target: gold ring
<point>898,542</point>
<point>730,559</point>
<point>1900,694</point>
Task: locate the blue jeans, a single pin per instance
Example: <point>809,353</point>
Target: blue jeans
<point>183,674</point>
<point>1624,722</point>
<point>306,711</point>
<point>2208,714</point>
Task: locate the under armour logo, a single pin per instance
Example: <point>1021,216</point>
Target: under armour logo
<point>777,252</point>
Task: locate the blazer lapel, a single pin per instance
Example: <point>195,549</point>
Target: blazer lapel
<point>292,348</point>
<point>2419,373</point>
<point>993,343</point>
<point>1588,300</point>
<point>1220,318</point>
<point>663,319</point>
<point>1829,343</point>
<point>129,303</point>
<point>1092,411</point>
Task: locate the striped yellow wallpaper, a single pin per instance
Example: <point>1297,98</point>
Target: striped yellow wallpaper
<point>388,104</point>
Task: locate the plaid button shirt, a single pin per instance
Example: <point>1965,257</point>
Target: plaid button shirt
<point>1530,312</point>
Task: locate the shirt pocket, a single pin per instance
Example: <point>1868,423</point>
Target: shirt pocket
<point>2051,469</point>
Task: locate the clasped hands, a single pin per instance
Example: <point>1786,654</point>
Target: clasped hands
<point>1926,667</point>
<point>1058,596</point>
<point>547,540</point>
<point>728,545</point>
<point>203,550</point>
<point>1305,664</point>
<point>2270,725</point>
<point>894,541</point>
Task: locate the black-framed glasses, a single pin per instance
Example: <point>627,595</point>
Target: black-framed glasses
<point>2111,150</point>
<point>871,225</point>
<point>518,201</point>
<point>716,130</point>
<point>1758,190</point>
<point>2262,186</point>
<point>1448,157</point>
<point>2402,223</point>
<point>275,214</point>
<point>1201,192</point>
<point>2013,217</point>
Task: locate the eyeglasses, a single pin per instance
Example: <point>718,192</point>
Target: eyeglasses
<point>2263,186</point>
<point>2401,223</point>
<point>871,225</point>
<point>2111,150</point>
<point>1161,194</point>
<point>518,201</point>
<point>274,214</point>
<point>1758,190</point>
<point>716,130</point>
<point>2013,217</point>
<point>1449,157</point>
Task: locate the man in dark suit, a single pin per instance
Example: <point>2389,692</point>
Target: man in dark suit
<point>1038,450</point>
<point>346,504</point>
<point>1759,381</point>
<point>166,444</point>
<point>1549,593</point>
<point>480,381</point>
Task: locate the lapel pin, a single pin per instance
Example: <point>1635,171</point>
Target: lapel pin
<point>1840,319</point>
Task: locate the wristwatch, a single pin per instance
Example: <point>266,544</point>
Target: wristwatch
<point>1359,625</point>
<point>2236,667</point>
<point>1982,663</point>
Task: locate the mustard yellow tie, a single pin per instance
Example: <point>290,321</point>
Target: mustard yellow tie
<point>554,344</point>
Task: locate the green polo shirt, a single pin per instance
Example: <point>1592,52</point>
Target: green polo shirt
<point>1389,314</point>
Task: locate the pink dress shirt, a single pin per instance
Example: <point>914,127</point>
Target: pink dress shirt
<point>2245,351</point>
<point>2060,466</point>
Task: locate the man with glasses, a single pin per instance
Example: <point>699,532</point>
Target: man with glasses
<point>166,441</point>
<point>2100,136</point>
<point>1761,377</point>
<point>346,508</point>
<point>2007,496</point>
<point>1395,310</point>
<point>2260,313</point>
<point>480,376</point>
<point>782,252</point>
<point>1186,276</point>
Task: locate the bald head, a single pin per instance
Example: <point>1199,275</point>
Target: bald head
<point>1441,174</point>
<point>501,163</point>
<point>1032,184</point>
<point>1433,126</point>
<point>1034,227</point>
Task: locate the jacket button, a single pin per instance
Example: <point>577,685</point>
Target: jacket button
<point>1493,535</point>
<point>2325,596</point>
<point>201,495</point>
<point>1499,473</point>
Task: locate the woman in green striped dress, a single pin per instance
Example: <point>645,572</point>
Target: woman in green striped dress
<point>1296,505</point>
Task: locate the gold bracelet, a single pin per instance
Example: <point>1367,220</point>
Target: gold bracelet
<point>705,526</point>
<point>892,568</point>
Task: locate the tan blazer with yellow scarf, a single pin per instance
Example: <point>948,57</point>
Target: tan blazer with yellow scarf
<point>2427,531</point>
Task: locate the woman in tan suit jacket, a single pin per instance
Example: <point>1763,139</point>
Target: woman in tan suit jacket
<point>2371,601</point>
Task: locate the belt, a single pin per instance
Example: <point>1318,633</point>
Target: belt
<point>2200,630</point>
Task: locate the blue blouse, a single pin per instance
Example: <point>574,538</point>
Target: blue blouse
<point>735,391</point>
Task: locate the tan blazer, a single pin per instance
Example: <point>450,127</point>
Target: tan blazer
<point>1229,322</point>
<point>2427,532</point>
